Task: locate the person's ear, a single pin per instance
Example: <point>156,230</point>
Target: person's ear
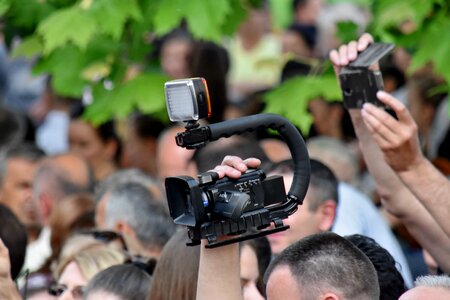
<point>124,228</point>
<point>428,112</point>
<point>327,215</point>
<point>45,206</point>
<point>111,148</point>
<point>329,296</point>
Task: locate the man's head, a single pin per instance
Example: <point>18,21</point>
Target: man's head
<point>140,143</point>
<point>138,215</point>
<point>322,266</point>
<point>14,236</point>
<point>172,160</point>
<point>17,167</point>
<point>335,154</point>
<point>318,211</point>
<point>429,287</point>
<point>58,177</point>
<point>391,282</point>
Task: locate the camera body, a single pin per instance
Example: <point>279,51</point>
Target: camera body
<point>360,84</point>
<point>213,207</point>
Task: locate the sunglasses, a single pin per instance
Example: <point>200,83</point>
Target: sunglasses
<point>106,236</point>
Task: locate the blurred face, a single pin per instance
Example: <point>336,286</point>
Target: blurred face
<point>84,140</point>
<point>424,292</point>
<point>71,283</point>
<point>302,223</point>
<point>321,113</point>
<point>16,190</point>
<point>249,274</point>
<point>174,58</point>
<point>138,152</point>
<point>294,44</point>
<point>421,113</point>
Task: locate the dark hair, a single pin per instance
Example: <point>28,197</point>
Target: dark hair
<point>146,126</point>
<point>306,33</point>
<point>326,261</point>
<point>127,281</point>
<point>13,127</point>
<point>391,282</point>
<point>212,62</point>
<point>212,154</point>
<point>323,181</point>
<point>294,68</point>
<point>14,236</point>
<point>261,247</point>
<point>106,131</point>
<point>424,85</point>
<point>176,273</point>
<point>26,151</point>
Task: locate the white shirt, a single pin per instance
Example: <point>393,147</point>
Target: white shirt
<point>356,214</point>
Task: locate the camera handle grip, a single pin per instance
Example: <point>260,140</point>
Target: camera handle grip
<point>293,139</point>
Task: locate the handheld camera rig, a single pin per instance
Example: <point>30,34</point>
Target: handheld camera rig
<point>243,208</point>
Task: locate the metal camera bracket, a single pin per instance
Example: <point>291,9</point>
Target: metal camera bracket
<point>260,219</point>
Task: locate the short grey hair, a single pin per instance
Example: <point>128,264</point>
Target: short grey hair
<point>442,281</point>
<point>25,151</point>
<point>130,176</point>
<point>133,203</point>
<point>336,154</point>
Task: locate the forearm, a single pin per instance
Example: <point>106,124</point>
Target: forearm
<point>388,184</point>
<point>219,276</point>
<point>432,188</point>
<point>8,290</point>
<point>398,200</point>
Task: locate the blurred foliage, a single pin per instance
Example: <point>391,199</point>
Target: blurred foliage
<point>89,45</point>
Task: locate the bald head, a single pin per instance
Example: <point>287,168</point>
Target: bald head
<point>62,175</point>
<point>171,159</point>
<point>58,177</point>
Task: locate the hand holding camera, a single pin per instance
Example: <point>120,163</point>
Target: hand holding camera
<point>397,138</point>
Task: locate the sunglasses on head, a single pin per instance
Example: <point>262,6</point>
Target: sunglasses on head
<point>106,236</point>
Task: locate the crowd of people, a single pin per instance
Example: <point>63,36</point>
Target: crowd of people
<point>83,208</point>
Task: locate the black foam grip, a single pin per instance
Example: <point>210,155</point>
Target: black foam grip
<point>288,131</point>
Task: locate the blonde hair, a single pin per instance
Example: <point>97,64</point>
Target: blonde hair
<point>93,260</point>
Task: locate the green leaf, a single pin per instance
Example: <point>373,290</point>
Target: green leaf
<point>434,46</point>
<point>168,15</point>
<point>26,14</point>
<point>145,92</point>
<point>205,18</point>
<point>65,64</point>
<point>29,47</point>
<point>393,13</point>
<point>347,31</point>
<point>292,97</point>
<point>236,16</point>
<point>67,25</point>
<point>281,13</point>
<point>4,6</point>
<point>111,15</point>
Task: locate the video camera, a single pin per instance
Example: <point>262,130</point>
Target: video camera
<point>242,208</point>
<point>359,84</point>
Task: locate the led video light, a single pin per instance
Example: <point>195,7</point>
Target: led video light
<point>187,99</point>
